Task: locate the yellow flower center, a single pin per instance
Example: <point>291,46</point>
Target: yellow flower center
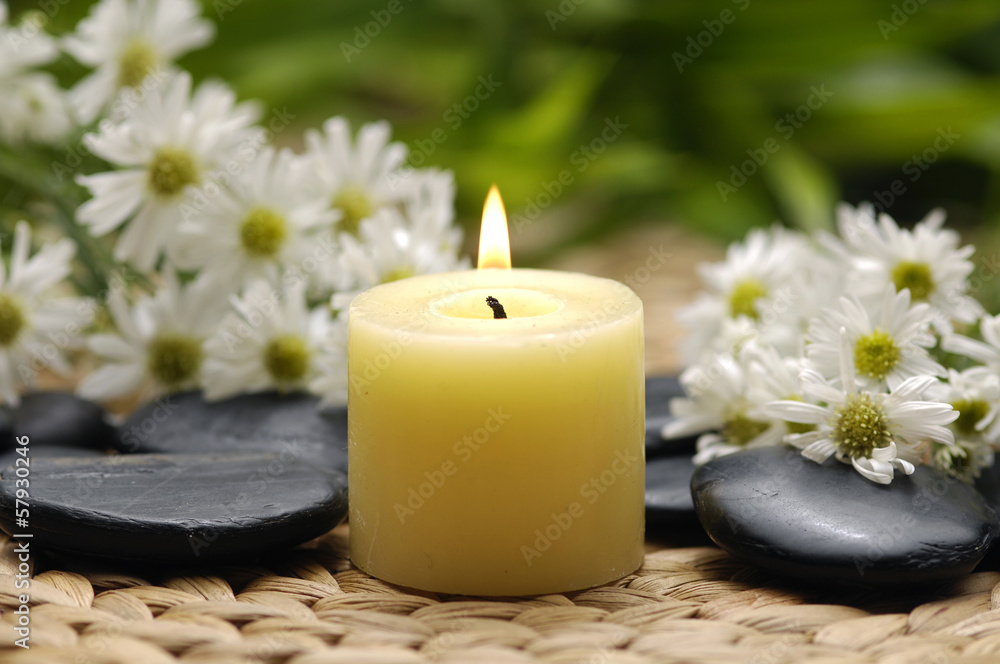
<point>875,354</point>
<point>970,413</point>
<point>286,358</point>
<point>860,426</point>
<point>355,206</point>
<point>263,232</point>
<point>170,170</point>
<point>740,429</point>
<point>135,63</point>
<point>174,359</point>
<point>798,427</point>
<point>12,319</point>
<point>743,298</point>
<point>916,276</point>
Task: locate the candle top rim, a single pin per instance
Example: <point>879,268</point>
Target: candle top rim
<point>407,304</point>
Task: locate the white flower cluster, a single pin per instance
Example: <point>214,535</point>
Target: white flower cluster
<point>846,347</point>
<point>32,106</point>
<point>254,251</point>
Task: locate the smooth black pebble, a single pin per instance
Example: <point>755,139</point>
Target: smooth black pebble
<point>826,523</point>
<point>31,452</point>
<point>988,484</point>
<point>668,495</point>
<point>60,419</point>
<point>285,424</point>
<point>659,391</point>
<point>175,508</point>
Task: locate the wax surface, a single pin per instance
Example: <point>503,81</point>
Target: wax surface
<point>497,457</point>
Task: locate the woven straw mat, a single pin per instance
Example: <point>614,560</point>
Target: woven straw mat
<point>311,606</point>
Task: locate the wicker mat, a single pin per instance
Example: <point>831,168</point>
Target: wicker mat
<point>311,606</point>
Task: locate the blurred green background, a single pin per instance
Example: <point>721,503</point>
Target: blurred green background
<point>647,111</point>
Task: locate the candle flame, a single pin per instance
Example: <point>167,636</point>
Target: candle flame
<point>494,243</point>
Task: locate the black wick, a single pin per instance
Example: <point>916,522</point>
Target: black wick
<point>497,308</point>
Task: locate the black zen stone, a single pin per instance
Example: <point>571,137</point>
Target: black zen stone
<point>184,508</point>
<point>668,495</point>
<point>286,424</point>
<point>988,484</point>
<point>64,420</point>
<point>6,429</point>
<point>826,523</point>
<point>659,391</point>
<point>9,457</point>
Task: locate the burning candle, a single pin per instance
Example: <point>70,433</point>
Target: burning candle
<point>496,454</point>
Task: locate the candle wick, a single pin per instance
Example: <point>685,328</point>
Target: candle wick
<point>497,308</point>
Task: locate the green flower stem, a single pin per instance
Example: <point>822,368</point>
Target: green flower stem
<point>28,171</point>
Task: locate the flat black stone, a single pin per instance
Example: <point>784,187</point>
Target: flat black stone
<point>826,523</point>
<point>988,484</point>
<point>176,508</point>
<point>6,428</point>
<point>668,494</point>
<point>659,391</point>
<point>48,452</point>
<point>60,419</point>
<point>287,424</point>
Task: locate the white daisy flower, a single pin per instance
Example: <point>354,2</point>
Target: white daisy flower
<point>733,335</point>
<point>772,377</point>
<point>926,260</point>
<point>165,148</point>
<point>32,106</point>
<point>331,381</point>
<point>986,351</point>
<point>429,205</point>
<point>271,341</point>
<point>717,402</point>
<point>352,178</point>
<point>762,280</point>
<point>126,41</point>
<point>874,431</point>
<point>21,50</point>
<point>35,325</point>
<point>888,343</point>
<point>158,344</point>
<point>975,394</point>
<point>255,230</point>
<point>385,250</point>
